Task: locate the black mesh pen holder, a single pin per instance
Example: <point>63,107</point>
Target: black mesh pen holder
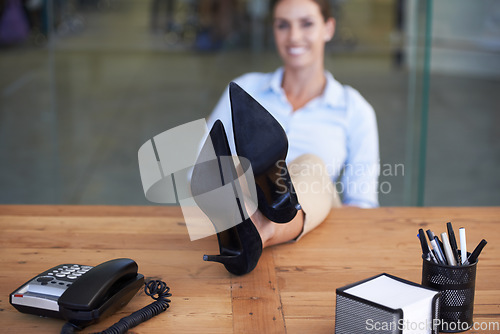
<point>457,285</point>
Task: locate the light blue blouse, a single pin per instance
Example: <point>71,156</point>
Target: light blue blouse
<point>339,126</point>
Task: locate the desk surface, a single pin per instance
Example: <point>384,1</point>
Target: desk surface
<point>292,290</point>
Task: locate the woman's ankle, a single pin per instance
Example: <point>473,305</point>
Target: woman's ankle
<point>265,227</point>
<point>272,233</point>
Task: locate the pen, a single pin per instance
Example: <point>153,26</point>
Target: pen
<point>433,250</point>
<point>436,248</point>
<point>453,241</point>
<point>425,247</point>
<point>447,250</point>
<point>440,250</point>
<point>432,236</point>
<point>475,254</point>
<point>463,245</point>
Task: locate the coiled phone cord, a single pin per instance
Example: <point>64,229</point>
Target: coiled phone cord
<point>161,304</point>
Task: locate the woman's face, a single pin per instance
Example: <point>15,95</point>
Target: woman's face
<point>300,32</point>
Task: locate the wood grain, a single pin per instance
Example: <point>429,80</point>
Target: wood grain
<point>292,290</point>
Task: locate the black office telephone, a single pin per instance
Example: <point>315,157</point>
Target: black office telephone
<point>83,294</point>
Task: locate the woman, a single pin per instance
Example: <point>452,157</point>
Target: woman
<point>331,130</point>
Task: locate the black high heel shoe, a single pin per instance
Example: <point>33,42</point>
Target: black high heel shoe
<point>240,245</point>
<point>260,138</point>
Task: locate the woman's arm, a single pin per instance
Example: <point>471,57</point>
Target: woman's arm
<point>362,169</point>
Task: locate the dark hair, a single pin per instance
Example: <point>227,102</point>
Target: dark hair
<point>324,8</point>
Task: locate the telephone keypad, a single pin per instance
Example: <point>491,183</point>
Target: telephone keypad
<point>69,272</point>
<point>56,280</point>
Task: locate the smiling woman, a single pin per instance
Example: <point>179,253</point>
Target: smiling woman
<point>329,127</point>
<point>301,30</point>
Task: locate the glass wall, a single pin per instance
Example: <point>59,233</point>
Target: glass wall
<point>463,140</point>
<point>84,83</point>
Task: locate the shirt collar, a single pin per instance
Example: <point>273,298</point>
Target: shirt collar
<point>333,95</point>
<point>276,80</point>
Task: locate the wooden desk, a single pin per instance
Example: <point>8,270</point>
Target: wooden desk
<point>292,290</point>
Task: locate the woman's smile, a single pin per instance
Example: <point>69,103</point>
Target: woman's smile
<point>297,50</point>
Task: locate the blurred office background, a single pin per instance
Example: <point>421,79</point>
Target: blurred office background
<point>84,83</point>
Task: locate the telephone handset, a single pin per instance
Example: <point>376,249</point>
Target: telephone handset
<point>80,294</point>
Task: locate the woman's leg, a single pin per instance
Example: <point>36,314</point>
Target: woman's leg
<point>274,234</point>
<point>316,194</point>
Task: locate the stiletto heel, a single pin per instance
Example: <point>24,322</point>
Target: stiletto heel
<point>240,246</point>
<point>260,138</point>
